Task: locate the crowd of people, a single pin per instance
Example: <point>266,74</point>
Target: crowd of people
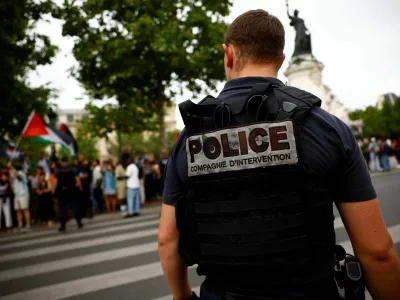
<point>55,189</point>
<point>377,153</point>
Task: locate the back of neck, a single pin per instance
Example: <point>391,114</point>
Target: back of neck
<point>259,71</point>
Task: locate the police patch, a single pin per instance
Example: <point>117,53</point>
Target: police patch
<point>245,147</point>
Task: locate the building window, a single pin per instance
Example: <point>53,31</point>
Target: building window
<point>70,118</point>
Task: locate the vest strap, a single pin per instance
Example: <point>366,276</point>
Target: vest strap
<point>241,250</point>
<point>188,109</point>
<point>251,227</point>
<point>248,205</point>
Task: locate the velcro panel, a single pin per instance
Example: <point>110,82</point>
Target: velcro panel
<point>251,227</point>
<point>254,249</point>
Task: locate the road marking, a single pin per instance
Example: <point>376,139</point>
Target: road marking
<point>113,279</point>
<point>338,223</point>
<point>88,225</point>
<point>89,284</point>
<point>78,261</point>
<point>89,233</point>
<point>79,245</point>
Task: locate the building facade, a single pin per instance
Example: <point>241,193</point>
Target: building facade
<point>390,97</point>
<point>71,118</point>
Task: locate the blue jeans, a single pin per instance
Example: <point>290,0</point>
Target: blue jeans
<point>94,202</point>
<point>133,201</point>
<point>386,162</point>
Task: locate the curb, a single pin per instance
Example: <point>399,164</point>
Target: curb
<point>384,173</point>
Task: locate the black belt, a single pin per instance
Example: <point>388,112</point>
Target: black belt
<point>232,296</point>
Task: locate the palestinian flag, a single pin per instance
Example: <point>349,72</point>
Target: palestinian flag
<point>38,130</point>
<point>64,128</point>
<point>9,150</point>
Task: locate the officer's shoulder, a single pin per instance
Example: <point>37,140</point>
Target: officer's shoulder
<point>298,95</point>
<point>179,144</point>
<point>316,113</point>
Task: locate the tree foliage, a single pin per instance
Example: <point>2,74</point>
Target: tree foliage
<point>22,51</point>
<point>116,118</point>
<point>86,142</point>
<point>138,145</point>
<point>383,122</point>
<point>134,51</point>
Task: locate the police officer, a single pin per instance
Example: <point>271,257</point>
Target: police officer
<point>251,182</point>
<point>68,183</point>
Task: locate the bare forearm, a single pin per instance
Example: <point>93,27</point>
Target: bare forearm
<point>175,271</point>
<point>383,276</point>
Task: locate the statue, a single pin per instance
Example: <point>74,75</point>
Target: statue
<point>303,36</point>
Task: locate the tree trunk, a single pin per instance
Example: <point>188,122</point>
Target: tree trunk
<point>160,111</point>
<point>119,141</point>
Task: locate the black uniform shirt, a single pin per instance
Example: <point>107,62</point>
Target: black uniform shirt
<point>327,146</point>
<point>66,178</point>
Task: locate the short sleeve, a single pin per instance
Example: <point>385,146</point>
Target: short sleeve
<point>354,180</point>
<point>128,171</point>
<point>174,187</point>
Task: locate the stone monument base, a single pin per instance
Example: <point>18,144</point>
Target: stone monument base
<point>305,72</point>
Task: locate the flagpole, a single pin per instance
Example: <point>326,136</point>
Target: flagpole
<point>20,136</point>
<point>16,148</point>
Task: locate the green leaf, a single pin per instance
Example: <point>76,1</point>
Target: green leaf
<point>134,51</point>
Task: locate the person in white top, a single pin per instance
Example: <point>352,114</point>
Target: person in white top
<point>132,174</point>
<point>43,162</point>
<point>97,180</point>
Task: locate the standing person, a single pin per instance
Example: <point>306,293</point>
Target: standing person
<point>132,174</point>
<point>251,183</point>
<point>125,156</point>
<point>148,180</point>
<point>27,163</point>
<point>46,207</point>
<point>53,179</point>
<point>33,197</point>
<point>85,176</point>
<point>385,155</point>
<point>374,149</point>
<point>21,197</point>
<point>163,166</point>
<point>364,150</point>
<point>5,200</point>
<point>142,188</point>
<point>53,185</point>
<point>396,149</point>
<point>156,175</point>
<point>109,190</point>
<point>120,174</point>
<point>43,162</point>
<point>97,181</point>
<point>68,181</point>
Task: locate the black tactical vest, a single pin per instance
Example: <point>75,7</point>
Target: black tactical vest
<point>256,220</point>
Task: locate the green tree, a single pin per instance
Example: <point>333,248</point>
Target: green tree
<point>86,141</point>
<point>383,122</point>
<point>134,51</point>
<point>22,51</point>
<point>139,145</point>
<point>121,119</point>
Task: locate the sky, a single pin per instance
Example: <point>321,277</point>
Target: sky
<point>357,41</point>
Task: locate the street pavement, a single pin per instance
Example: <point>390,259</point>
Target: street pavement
<point>115,258</point>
